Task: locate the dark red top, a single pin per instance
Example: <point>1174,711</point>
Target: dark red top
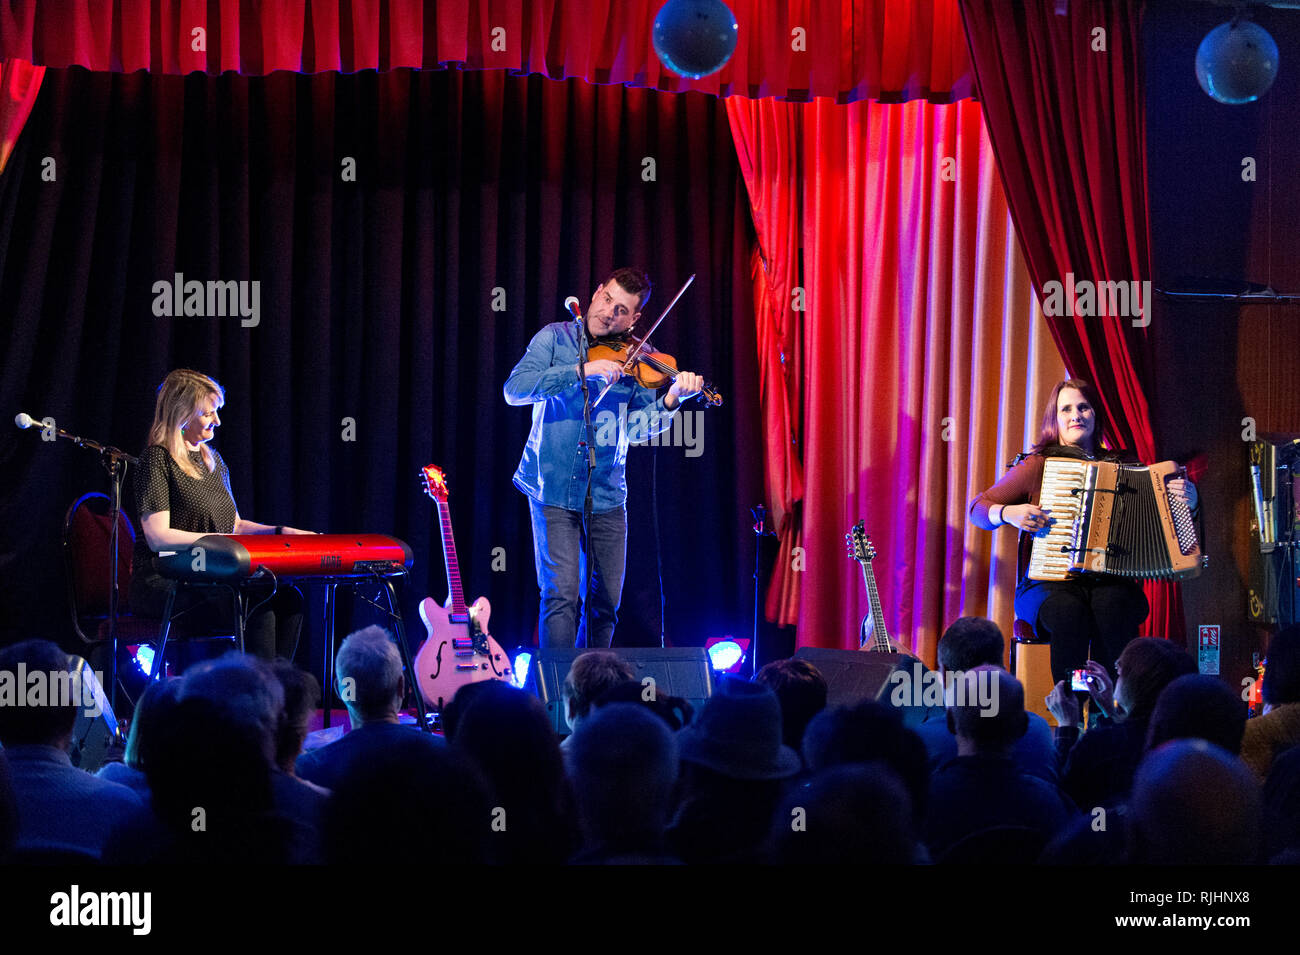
<point>1020,485</point>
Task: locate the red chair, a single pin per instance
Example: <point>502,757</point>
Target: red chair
<point>87,551</point>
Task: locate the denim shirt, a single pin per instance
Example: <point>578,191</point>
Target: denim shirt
<point>553,469</point>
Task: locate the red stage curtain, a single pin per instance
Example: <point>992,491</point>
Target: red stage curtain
<point>1068,127</point>
<point>891,50</point>
<point>901,357</point>
<point>19,84</point>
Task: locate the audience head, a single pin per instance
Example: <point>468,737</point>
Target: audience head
<point>970,642</point>
<point>369,669</point>
<point>866,733</point>
<point>455,708</point>
<point>508,735</point>
<point>847,815</point>
<point>1282,674</point>
<point>591,674</point>
<point>1282,803</point>
<point>1145,667</point>
<point>801,690</point>
<point>245,688</point>
<point>1179,810</point>
<point>47,725</point>
<point>412,802</point>
<point>673,710</point>
<point>149,712</point>
<point>202,756</point>
<point>738,734</point>
<point>623,763</point>
<point>986,711</point>
<point>1198,706</point>
<point>301,697</point>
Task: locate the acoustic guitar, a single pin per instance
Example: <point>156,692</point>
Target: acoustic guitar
<point>872,636</point>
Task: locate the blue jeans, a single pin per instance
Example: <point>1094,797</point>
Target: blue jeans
<point>560,555</point>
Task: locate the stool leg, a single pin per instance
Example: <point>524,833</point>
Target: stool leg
<point>160,661</point>
<point>239,618</point>
<point>327,684</point>
<point>420,706</point>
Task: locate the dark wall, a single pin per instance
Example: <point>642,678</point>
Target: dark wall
<point>1219,363</point>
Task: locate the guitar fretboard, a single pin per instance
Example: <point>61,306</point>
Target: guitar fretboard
<point>879,636</point>
<point>449,556</point>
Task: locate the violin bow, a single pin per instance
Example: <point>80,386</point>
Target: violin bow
<point>632,354</point>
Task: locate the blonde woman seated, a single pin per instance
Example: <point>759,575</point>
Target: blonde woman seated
<point>182,490</point>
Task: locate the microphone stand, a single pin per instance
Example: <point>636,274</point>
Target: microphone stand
<point>587,506</point>
<point>761,530</point>
<point>115,461</point>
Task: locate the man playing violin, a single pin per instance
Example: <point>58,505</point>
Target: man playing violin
<point>553,469</point>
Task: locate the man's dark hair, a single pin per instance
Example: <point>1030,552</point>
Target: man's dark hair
<point>801,690</point>
<point>991,729</point>
<point>633,281</point>
<point>1198,706</point>
<point>43,725</point>
<point>591,674</point>
<point>970,642</point>
<point>865,733</point>
<point>856,814</point>
<point>1282,672</point>
<point>1194,804</point>
<point>301,697</point>
<point>673,710</point>
<point>1148,665</point>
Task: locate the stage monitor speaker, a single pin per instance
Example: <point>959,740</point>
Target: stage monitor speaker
<point>95,731</point>
<point>856,675</point>
<point>677,671</point>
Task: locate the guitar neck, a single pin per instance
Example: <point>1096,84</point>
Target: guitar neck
<point>449,556</point>
<point>879,635</point>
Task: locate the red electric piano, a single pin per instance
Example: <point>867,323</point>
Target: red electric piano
<point>232,560</point>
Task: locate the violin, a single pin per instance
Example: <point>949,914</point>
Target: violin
<point>650,369</point>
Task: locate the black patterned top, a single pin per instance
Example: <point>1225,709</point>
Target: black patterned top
<point>202,505</point>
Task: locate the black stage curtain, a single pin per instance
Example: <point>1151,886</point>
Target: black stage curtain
<point>376,305</point>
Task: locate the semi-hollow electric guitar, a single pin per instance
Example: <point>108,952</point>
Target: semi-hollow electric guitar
<point>873,635</point>
<point>458,649</point>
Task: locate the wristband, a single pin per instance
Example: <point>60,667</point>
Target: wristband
<point>1001,508</point>
<point>279,528</point>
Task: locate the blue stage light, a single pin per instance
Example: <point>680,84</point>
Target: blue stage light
<point>144,659</point>
<point>522,662</point>
<point>726,654</point>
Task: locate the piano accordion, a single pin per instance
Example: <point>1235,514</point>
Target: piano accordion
<point>1114,519</point>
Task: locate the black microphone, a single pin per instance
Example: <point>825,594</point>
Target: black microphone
<point>571,303</point>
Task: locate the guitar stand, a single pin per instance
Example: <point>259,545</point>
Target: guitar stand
<point>408,664</point>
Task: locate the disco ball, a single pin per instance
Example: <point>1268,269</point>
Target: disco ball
<point>695,37</point>
<point>1236,62</point>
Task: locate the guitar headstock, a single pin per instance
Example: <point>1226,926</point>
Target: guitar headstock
<point>859,544</point>
<point>434,481</point>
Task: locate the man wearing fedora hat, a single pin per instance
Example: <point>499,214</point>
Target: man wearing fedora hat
<point>734,766</point>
